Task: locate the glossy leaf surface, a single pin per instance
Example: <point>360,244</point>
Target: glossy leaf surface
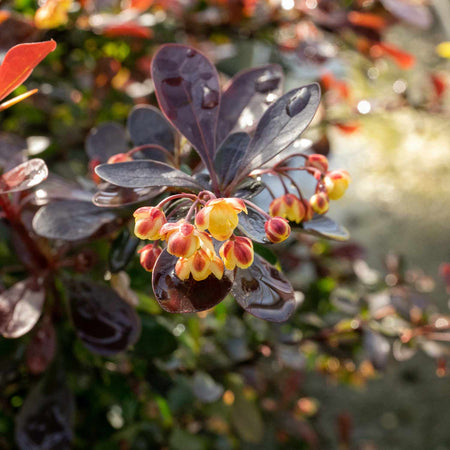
<point>188,92</point>
<point>111,196</point>
<point>24,176</point>
<point>104,322</point>
<point>19,62</point>
<point>20,308</point>
<point>229,156</point>
<point>146,125</point>
<point>106,140</point>
<point>325,227</point>
<point>70,220</point>
<point>122,250</point>
<point>252,225</point>
<point>45,419</point>
<point>146,173</point>
<point>247,96</point>
<point>263,291</point>
<point>176,296</point>
<point>281,125</point>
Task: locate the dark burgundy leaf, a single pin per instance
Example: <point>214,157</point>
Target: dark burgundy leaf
<point>20,308</point>
<point>410,11</point>
<point>325,227</point>
<point>42,347</point>
<point>249,188</point>
<point>12,151</point>
<point>106,140</point>
<point>176,296</point>
<point>252,225</point>
<point>146,125</point>
<point>111,196</point>
<point>145,173</point>
<point>156,340</point>
<point>70,220</point>
<point>281,125</point>
<point>105,323</point>
<point>45,419</point>
<point>188,92</point>
<point>377,348</point>
<point>122,250</point>
<point>247,96</point>
<point>263,291</point>
<point>16,29</point>
<point>229,156</point>
<point>24,176</point>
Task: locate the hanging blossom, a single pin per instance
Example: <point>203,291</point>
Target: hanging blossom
<point>204,229</point>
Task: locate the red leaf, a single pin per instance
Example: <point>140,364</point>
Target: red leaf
<point>128,29</point>
<point>403,59</point>
<point>366,20</point>
<point>19,62</point>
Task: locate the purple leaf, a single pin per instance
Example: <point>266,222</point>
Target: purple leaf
<point>252,225</point>
<point>188,92</point>
<point>410,11</point>
<point>323,226</point>
<point>247,97</point>
<point>20,308</point>
<point>145,173</point>
<point>264,291</point>
<point>12,149</point>
<point>111,196</point>
<point>281,125</point>
<point>176,296</point>
<point>104,322</point>
<point>106,140</point>
<point>24,176</point>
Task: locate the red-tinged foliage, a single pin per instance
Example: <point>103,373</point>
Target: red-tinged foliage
<point>348,127</point>
<point>366,20</point>
<point>330,83</point>
<point>403,59</point>
<point>19,62</point>
<point>439,84</point>
<point>131,29</point>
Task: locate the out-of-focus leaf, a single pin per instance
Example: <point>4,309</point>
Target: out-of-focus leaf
<point>12,151</point>
<point>112,196</point>
<point>264,291</point>
<point>247,96</point>
<point>182,440</point>
<point>20,308</point>
<point>155,340</point>
<point>70,220</point>
<point>229,155</point>
<point>325,227</point>
<point>146,173</point>
<point>104,322</point>
<point>188,92</point>
<point>281,125</point>
<point>409,11</point>
<point>377,348</point>
<point>45,419</point>
<point>205,388</point>
<point>403,352</point>
<point>42,347</point>
<point>178,296</point>
<point>106,140</point>
<point>122,250</point>
<point>252,225</point>
<point>246,419</point>
<point>16,29</point>
<point>24,176</point>
<point>19,62</point>
<point>147,125</point>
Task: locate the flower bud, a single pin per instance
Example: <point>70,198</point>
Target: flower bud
<point>119,157</point>
<point>288,206</point>
<point>182,238</point>
<point>237,252</point>
<point>148,256</point>
<point>320,203</point>
<point>317,161</point>
<point>309,212</point>
<point>200,265</point>
<point>149,221</point>
<point>277,229</point>
<point>336,183</point>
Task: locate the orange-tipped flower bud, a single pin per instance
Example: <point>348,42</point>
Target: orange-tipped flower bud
<point>309,212</point>
<point>148,256</point>
<point>317,161</point>
<point>277,229</point>
<point>119,157</point>
<point>200,265</point>
<point>336,183</point>
<point>320,203</point>
<point>288,206</point>
<point>182,238</point>
<point>149,221</point>
<point>220,217</point>
<point>237,252</point>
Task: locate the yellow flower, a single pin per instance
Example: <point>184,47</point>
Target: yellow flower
<point>288,206</point>
<point>52,14</point>
<point>320,203</point>
<point>336,183</point>
<point>220,217</point>
<point>200,265</point>
<point>149,221</point>
<point>182,238</point>
<point>237,252</point>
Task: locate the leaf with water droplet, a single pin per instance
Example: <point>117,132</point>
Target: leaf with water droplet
<point>112,196</point>
<point>23,177</point>
<point>263,291</point>
<point>176,296</point>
